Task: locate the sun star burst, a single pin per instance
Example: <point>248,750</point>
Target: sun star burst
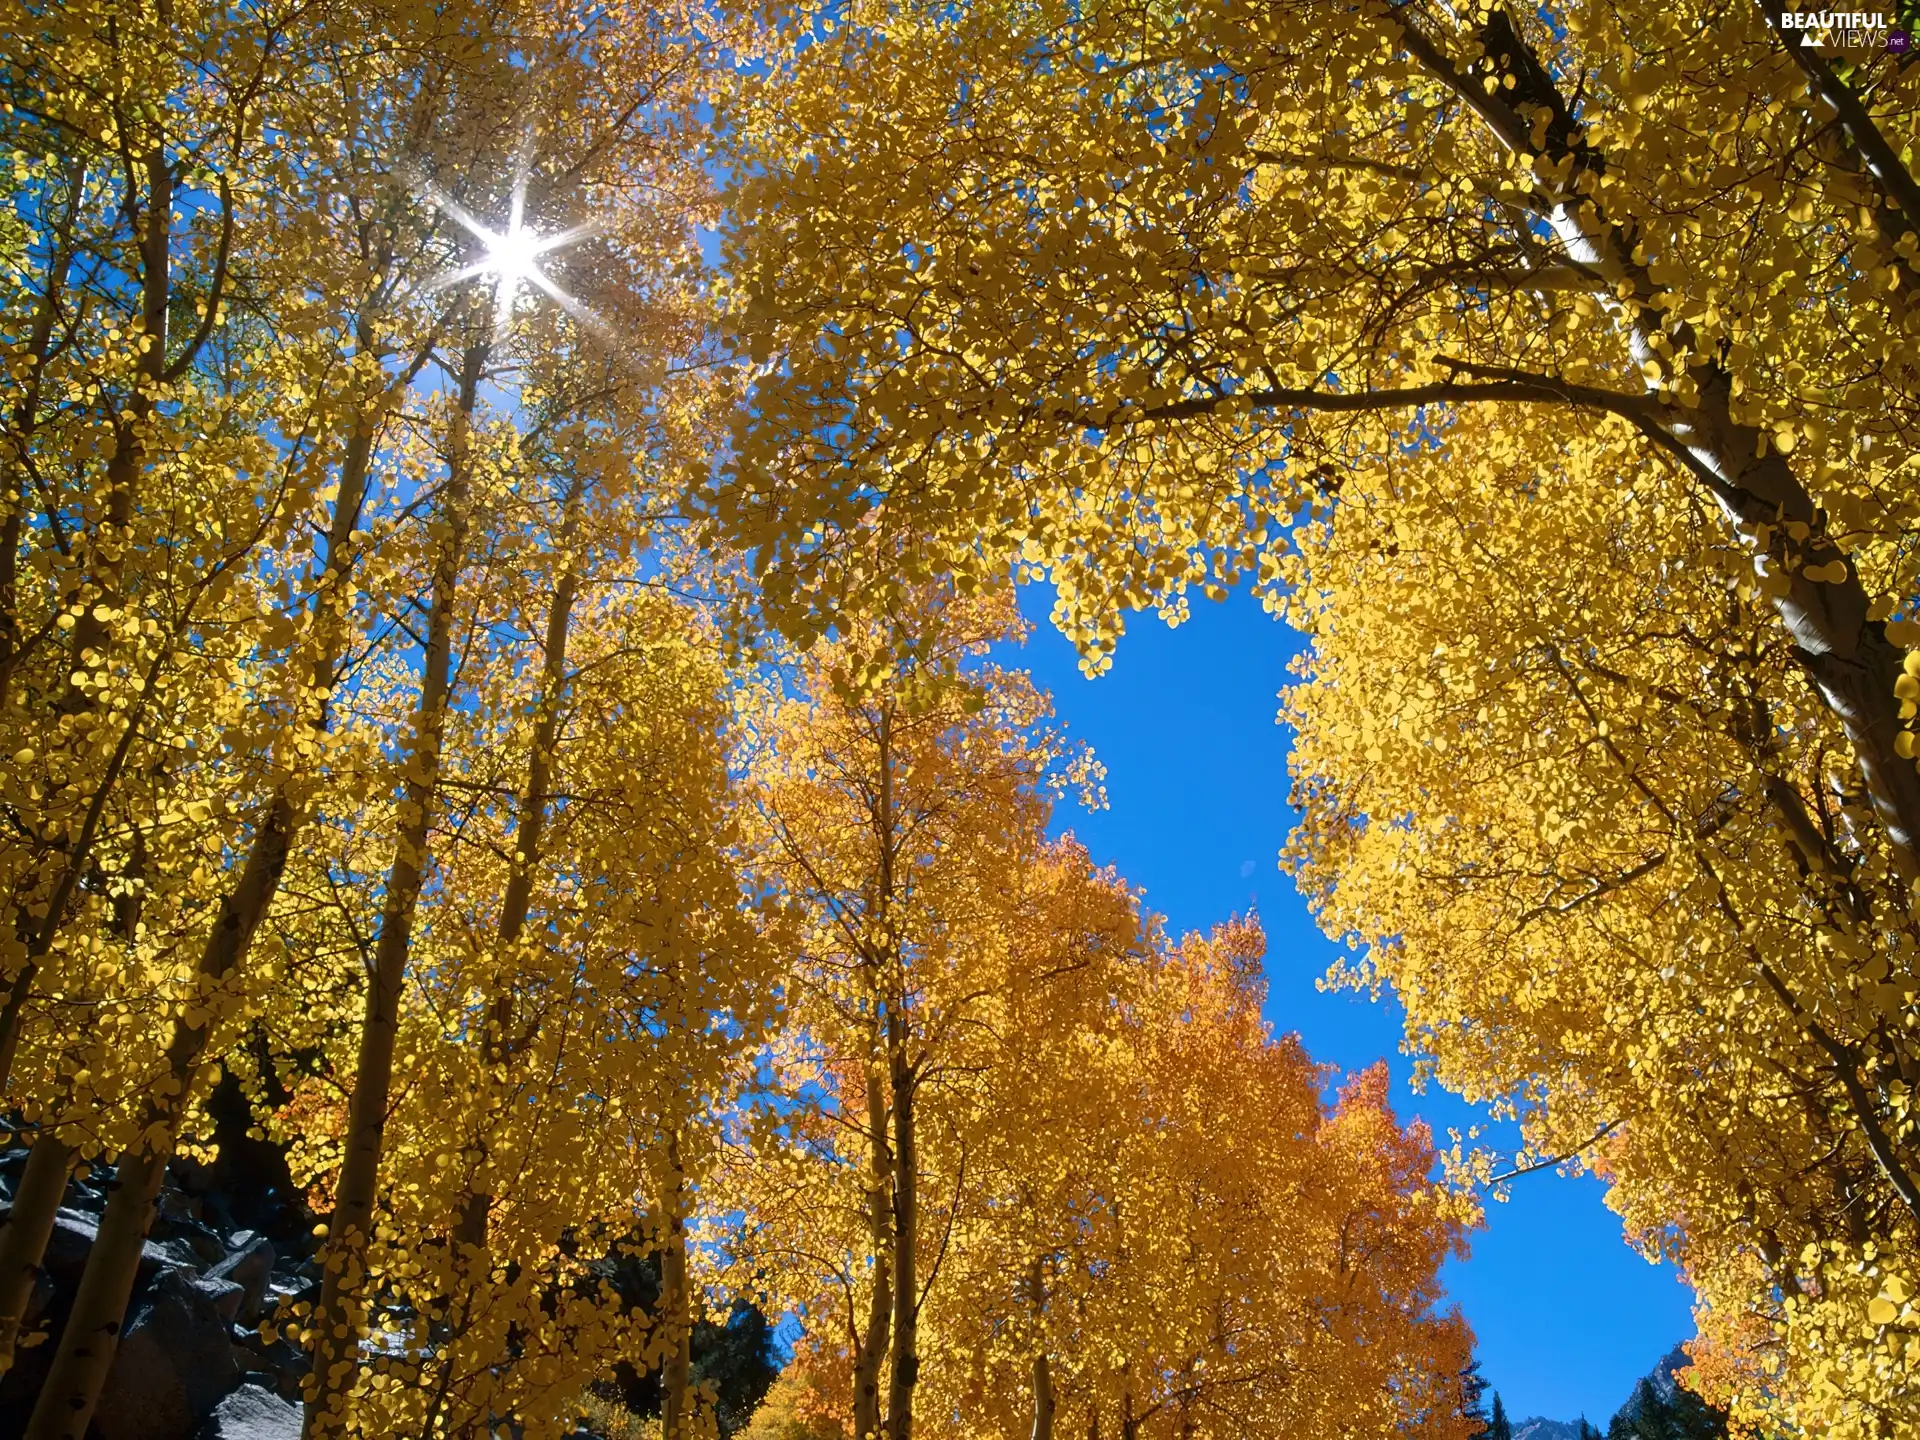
<point>511,256</point>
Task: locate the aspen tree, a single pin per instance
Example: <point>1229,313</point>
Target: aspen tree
<point>644,975</point>
<point>367,226</point>
<point>93,592</point>
<point>1120,1265</point>
<point>1107,1257</point>
<point>499,1316</point>
<point>278,821</point>
<point>881,809</point>
<point>1631,830</point>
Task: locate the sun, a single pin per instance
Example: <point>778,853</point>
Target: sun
<point>511,256</point>
<point>514,257</point>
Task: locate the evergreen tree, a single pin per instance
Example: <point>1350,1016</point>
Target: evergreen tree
<point>739,1359</point>
<point>1500,1428</point>
<point>1473,1400</point>
<point>1651,1415</point>
<point>736,1358</point>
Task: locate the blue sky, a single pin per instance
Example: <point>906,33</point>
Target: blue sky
<point>1567,1316</point>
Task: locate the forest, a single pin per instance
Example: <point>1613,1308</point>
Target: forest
<point>515,762</point>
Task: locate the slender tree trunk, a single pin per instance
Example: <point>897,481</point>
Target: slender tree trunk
<point>903,1170</point>
<point>1042,1396</point>
<point>336,1325</point>
<point>130,437</point>
<point>93,1325</point>
<point>1043,1403</point>
<point>26,418</point>
<point>87,1344</point>
<point>906,1226</point>
<point>36,1202</point>
<point>12,1012</point>
<point>676,1303</point>
<point>471,1228</point>
<point>872,1348</point>
<point>472,1260</point>
<point>105,562</point>
<point>24,1240</point>
<point>79,858</point>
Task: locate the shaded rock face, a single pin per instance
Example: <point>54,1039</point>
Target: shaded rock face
<point>251,1413</point>
<point>192,1335</point>
<point>249,1268</point>
<point>72,1239</point>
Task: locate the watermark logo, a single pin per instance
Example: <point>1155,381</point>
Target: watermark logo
<point>1843,30</point>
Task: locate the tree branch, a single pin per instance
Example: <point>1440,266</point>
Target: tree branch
<point>1552,1160</point>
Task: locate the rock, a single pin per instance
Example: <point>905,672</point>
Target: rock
<point>250,1266</point>
<point>173,1365</point>
<point>178,1225</point>
<point>67,1246</point>
<point>251,1413</point>
<point>224,1294</point>
<point>288,1366</point>
<point>72,1238</point>
<point>214,1208</point>
<point>1536,1428</point>
<point>247,1354</point>
<point>203,1242</point>
<point>201,1291</point>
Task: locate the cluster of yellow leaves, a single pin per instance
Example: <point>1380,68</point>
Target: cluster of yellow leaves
<point>1599,837</point>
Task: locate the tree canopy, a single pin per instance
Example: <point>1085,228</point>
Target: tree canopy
<point>510,530</point>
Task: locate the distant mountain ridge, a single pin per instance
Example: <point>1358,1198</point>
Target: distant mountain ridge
<point>1539,1429</point>
<point>1665,1380</point>
<point>1661,1378</point>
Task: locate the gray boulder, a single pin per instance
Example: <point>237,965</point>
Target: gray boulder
<point>202,1240</point>
<point>68,1244</point>
<point>72,1239</point>
<point>174,1363</point>
<point>226,1297</point>
<point>250,1266</point>
<point>251,1413</point>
